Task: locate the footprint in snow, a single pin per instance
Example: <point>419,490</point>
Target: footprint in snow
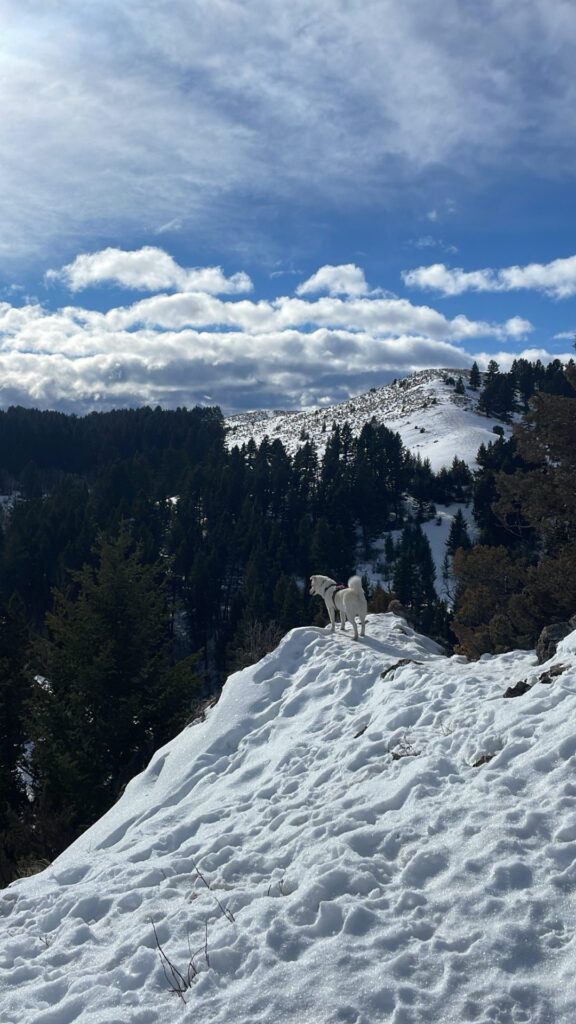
<point>423,867</point>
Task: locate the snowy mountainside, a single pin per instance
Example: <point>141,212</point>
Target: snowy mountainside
<point>357,833</point>
<point>424,409</point>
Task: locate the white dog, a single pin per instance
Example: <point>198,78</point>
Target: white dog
<point>350,601</point>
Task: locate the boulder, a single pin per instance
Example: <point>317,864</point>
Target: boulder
<point>398,608</point>
<point>550,637</point>
<point>518,689</point>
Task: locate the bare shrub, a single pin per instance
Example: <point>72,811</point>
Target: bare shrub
<point>180,982</point>
<point>405,748</point>
<point>254,641</point>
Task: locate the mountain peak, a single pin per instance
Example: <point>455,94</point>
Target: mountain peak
<point>432,419</point>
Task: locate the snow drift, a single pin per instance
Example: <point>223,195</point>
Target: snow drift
<point>358,832</point>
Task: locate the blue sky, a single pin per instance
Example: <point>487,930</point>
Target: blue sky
<point>263,204</point>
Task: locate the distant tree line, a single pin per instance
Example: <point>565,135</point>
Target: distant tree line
<point>503,393</point>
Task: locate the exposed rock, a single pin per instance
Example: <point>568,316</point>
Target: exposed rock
<point>483,759</point>
<point>550,637</point>
<point>397,608</point>
<point>518,689</point>
<point>398,664</point>
<point>552,673</point>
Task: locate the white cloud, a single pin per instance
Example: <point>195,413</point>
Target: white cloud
<point>382,317</point>
<point>556,279</point>
<point>430,242</point>
<point>170,369</point>
<point>517,327</point>
<point>285,273</point>
<point>148,269</point>
<point>173,349</point>
<point>440,278</point>
<point>346,279</point>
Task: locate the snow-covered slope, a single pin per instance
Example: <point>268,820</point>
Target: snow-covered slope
<point>358,833</point>
<point>424,409</point>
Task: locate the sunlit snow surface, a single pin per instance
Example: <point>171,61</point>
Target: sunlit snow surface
<point>344,885</point>
<point>432,420</point>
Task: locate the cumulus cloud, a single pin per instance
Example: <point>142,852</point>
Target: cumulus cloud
<point>556,279</point>
<point>174,348</point>
<point>346,279</point>
<point>382,317</point>
<point>440,278</point>
<point>240,370</point>
<point>517,327</point>
<point>147,269</point>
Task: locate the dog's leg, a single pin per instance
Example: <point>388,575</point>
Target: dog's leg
<point>341,611</point>
<point>348,613</point>
<point>332,616</point>
<point>363,625</point>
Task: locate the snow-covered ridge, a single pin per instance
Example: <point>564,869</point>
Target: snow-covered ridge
<point>424,409</point>
<point>359,832</point>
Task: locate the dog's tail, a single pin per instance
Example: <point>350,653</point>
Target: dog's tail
<point>355,583</point>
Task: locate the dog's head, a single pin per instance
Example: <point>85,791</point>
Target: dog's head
<point>316,585</point>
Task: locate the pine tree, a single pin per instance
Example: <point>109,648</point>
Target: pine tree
<point>422,488</point>
<point>14,693</point>
<point>322,549</point>
<point>506,596</point>
<point>287,604</point>
<point>475,379</point>
<point>487,578</point>
<point>414,570</point>
<point>458,536</point>
<point>108,694</point>
<point>542,497</point>
<point>498,395</point>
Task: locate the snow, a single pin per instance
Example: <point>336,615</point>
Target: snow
<point>436,530</point>
<point>432,420</point>
<point>358,832</point>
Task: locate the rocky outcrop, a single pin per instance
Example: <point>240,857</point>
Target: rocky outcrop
<point>518,690</point>
<point>551,636</point>
<point>398,608</point>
